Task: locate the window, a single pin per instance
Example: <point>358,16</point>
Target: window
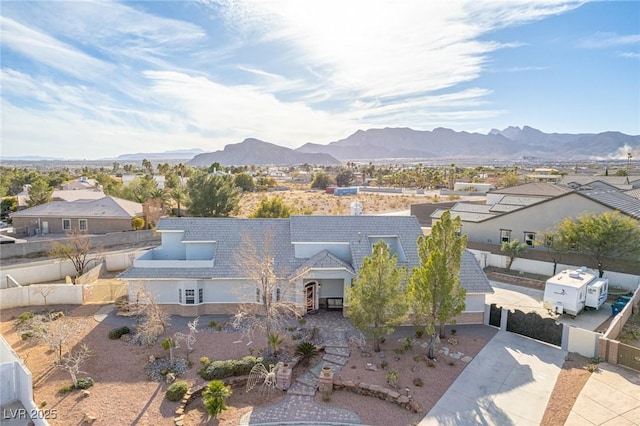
<point>505,235</point>
<point>66,224</point>
<point>190,297</point>
<point>200,295</point>
<point>179,295</point>
<point>530,238</point>
<point>82,224</point>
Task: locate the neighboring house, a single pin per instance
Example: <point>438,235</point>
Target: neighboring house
<point>82,182</point>
<point>102,216</point>
<point>620,182</point>
<point>77,194</point>
<point>535,190</point>
<point>527,222</point>
<point>479,188</point>
<point>79,189</point>
<point>127,179</point>
<point>195,271</point>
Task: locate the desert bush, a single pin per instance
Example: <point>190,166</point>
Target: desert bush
<point>214,397</point>
<point>116,333</point>
<point>84,383</point>
<point>384,364</point>
<point>392,378</point>
<point>419,333</point>
<point>417,382</point>
<point>205,361</point>
<point>24,317</point>
<point>212,324</point>
<point>65,389</point>
<point>176,391</point>
<point>233,367</point>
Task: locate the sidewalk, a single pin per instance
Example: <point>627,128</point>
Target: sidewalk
<point>610,397</point>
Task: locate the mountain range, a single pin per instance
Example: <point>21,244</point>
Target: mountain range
<point>510,143</point>
<point>405,144</point>
<point>255,151</point>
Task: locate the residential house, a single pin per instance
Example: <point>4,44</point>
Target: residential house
<point>620,182</point>
<point>79,189</point>
<point>102,216</point>
<point>196,270</point>
<point>159,179</point>
<point>527,222</point>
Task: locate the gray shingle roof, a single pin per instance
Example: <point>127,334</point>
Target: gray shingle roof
<point>227,235</point>
<point>106,207</point>
<point>324,260</point>
<point>472,277</point>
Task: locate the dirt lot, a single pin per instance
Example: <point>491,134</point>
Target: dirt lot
<point>318,202</point>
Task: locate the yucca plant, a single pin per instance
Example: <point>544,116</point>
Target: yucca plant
<point>274,340</point>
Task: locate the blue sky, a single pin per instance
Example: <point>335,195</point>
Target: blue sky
<point>99,79</point>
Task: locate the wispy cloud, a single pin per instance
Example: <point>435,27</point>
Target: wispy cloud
<point>603,40</point>
<point>49,51</point>
<point>288,71</point>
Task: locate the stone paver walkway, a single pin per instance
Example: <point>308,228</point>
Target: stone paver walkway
<point>299,405</point>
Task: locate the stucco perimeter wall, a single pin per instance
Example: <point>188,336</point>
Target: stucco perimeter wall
<point>116,239</point>
<point>16,382</point>
<point>56,294</point>
<point>616,279</point>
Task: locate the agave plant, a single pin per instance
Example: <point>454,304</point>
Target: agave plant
<point>307,351</point>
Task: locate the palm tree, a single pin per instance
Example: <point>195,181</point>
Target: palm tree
<point>178,195</point>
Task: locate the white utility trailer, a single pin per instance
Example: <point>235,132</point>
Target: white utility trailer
<point>570,291</point>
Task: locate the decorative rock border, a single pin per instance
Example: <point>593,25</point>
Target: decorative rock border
<point>379,392</point>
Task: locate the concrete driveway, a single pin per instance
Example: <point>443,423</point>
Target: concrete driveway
<point>508,383</point>
<point>530,300</point>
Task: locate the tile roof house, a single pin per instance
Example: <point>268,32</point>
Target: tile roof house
<point>526,222</point>
<point>196,270</point>
<point>102,216</point>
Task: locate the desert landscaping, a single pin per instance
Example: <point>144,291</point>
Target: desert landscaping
<point>124,394</point>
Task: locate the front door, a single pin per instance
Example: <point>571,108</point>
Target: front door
<point>310,297</point>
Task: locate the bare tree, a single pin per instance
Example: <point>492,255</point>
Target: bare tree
<point>44,291</point>
<point>153,320</point>
<point>273,304</point>
<point>72,361</point>
<point>77,249</point>
<point>60,333</point>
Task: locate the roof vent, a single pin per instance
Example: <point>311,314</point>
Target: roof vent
<point>574,275</point>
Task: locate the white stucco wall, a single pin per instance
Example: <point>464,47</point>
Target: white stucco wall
<point>307,250</point>
<point>199,251</point>
<point>474,302</point>
<point>172,247</point>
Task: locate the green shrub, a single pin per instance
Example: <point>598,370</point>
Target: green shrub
<point>65,389</point>
<point>307,351</point>
<point>392,378</point>
<point>176,391</point>
<point>25,316</point>
<point>232,367</point>
<point>205,361</point>
<point>84,383</point>
<point>212,324</point>
<point>26,335</point>
<point>214,397</point>
<point>116,333</point>
<point>419,333</point>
